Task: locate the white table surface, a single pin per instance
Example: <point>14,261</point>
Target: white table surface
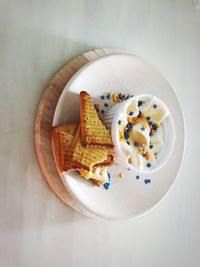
<point>36,38</point>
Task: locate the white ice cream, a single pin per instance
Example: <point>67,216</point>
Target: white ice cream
<point>141,133</point>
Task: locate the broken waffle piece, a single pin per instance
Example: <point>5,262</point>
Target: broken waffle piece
<point>85,157</point>
<point>62,137</point>
<point>98,175</point>
<point>108,162</point>
<point>93,131</point>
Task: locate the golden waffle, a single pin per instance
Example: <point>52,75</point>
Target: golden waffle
<point>62,137</point>
<point>108,162</point>
<point>93,131</point>
<point>85,157</point>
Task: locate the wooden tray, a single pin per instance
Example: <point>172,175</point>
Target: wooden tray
<point>44,120</point>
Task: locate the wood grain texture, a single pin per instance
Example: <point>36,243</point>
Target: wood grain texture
<point>44,121</point>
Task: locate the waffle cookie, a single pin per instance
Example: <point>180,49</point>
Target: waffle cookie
<point>85,157</point>
<point>62,137</point>
<point>93,131</point>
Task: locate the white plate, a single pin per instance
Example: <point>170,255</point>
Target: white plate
<point>127,196</point>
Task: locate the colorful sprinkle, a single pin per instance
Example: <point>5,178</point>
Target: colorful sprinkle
<point>130,160</point>
<point>120,175</point>
<point>121,96</point>
<point>116,98</point>
<point>139,115</point>
<point>151,146</point>
<point>137,177</point>
<point>119,122</point>
<point>142,129</point>
<point>155,106</point>
<point>107,185</point>
<point>103,97</point>
<point>140,103</point>
<point>131,113</point>
<point>152,132</point>
<point>144,154</point>
<point>147,181</point>
<point>102,111</point>
<point>133,120</point>
<point>108,96</point>
<point>149,165</point>
<point>148,118</point>
<point>97,110</point>
<point>147,156</point>
<point>126,135</point>
<point>154,127</point>
<point>137,144</point>
<point>129,126</point>
<point>121,136</point>
<point>128,142</point>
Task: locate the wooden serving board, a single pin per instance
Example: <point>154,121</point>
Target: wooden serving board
<point>44,121</point>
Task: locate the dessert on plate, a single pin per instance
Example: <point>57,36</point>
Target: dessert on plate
<point>137,131</point>
<point>129,133</point>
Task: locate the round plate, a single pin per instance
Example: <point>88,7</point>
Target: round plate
<point>127,196</point>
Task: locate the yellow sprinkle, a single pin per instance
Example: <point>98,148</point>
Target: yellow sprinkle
<point>133,120</point>
<point>141,150</point>
<point>130,160</point>
<point>121,136</point>
<point>147,155</point>
<point>120,175</point>
<point>116,98</point>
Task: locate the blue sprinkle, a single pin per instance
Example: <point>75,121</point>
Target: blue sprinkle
<point>148,118</point>
<point>102,97</point>
<point>129,126</point>
<point>155,106</point>
<point>126,135</point>
<point>119,122</point>
<point>137,177</point>
<point>144,155</point>
<point>107,185</point>
<point>139,115</point>
<point>154,126</point>
<point>151,146</point>
<point>121,97</point>
<point>108,96</point>
<point>131,113</point>
<point>142,129</point>
<point>140,103</point>
<point>106,104</point>
<point>108,176</point>
<point>137,144</point>
<point>149,165</point>
<point>102,111</point>
<point>128,142</point>
<point>147,181</point>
